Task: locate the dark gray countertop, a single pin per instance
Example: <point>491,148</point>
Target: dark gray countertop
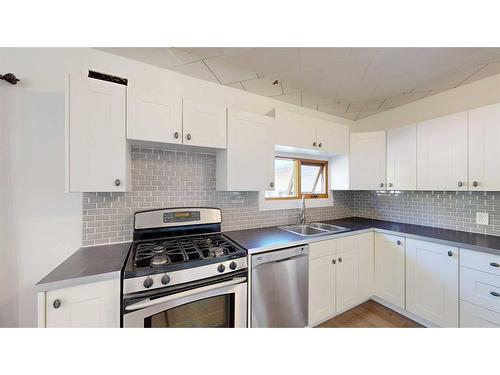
<point>271,238</point>
<point>88,264</point>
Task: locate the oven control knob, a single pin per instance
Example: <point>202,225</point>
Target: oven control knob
<point>165,279</point>
<point>233,265</point>
<point>148,283</point>
<point>221,268</point>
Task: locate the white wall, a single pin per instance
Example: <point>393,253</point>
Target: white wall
<point>463,98</point>
<point>44,222</point>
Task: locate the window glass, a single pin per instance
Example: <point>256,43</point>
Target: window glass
<point>312,179</point>
<point>285,179</point>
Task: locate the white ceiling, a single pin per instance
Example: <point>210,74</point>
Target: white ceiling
<point>349,82</point>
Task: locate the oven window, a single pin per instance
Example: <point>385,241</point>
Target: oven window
<point>213,312</point>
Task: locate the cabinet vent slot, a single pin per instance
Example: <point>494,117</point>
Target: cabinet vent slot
<point>108,77</point>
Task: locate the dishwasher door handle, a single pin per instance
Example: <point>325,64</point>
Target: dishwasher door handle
<point>286,259</point>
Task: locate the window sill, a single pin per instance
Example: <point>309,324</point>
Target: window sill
<point>287,204</point>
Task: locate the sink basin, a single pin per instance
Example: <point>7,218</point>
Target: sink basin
<point>313,229</point>
<point>328,227</point>
<point>304,230</point>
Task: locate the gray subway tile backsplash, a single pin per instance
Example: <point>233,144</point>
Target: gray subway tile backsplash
<point>167,178</point>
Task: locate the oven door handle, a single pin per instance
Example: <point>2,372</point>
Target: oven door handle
<point>152,302</point>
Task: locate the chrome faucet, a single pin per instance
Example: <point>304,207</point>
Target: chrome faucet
<point>302,211</point>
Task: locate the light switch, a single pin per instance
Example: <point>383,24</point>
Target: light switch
<point>482,218</point>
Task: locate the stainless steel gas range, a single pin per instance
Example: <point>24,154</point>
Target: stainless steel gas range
<point>182,272</point>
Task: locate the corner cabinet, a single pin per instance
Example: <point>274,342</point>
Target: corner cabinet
<point>97,154</point>
<point>367,161</point>
<point>432,282</point>
<point>83,306</point>
<point>248,162</point>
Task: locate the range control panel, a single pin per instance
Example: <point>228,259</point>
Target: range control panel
<point>181,216</point>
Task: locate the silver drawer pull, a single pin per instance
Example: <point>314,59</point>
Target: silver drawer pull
<point>495,294</point>
<point>493,264</point>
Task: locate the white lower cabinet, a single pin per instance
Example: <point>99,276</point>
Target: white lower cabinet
<point>390,268</point>
<point>472,316</point>
<point>432,282</point>
<point>340,275</point>
<point>87,305</point>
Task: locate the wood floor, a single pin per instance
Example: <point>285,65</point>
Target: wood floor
<point>370,315</point>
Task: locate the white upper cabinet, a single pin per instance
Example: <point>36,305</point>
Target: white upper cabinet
<point>294,131</point>
<point>432,282</point>
<point>297,132</point>
<point>367,161</point>
<point>484,150</point>
<point>97,157</point>
<point>402,158</point>
<point>204,124</point>
<point>153,116</point>
<point>332,138</point>
<point>248,162</point>
<point>390,268</point>
<point>442,153</point>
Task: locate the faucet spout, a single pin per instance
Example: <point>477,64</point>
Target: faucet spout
<point>302,211</point>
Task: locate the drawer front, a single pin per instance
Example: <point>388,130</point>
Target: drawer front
<point>472,316</point>
<point>480,261</point>
<point>480,288</point>
<point>322,248</point>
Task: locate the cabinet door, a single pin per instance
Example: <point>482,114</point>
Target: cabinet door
<point>321,289</point>
<point>367,161</point>
<point>366,266</point>
<point>204,124</point>
<point>432,282</point>
<point>390,268</point>
<point>96,143</point>
<point>88,305</point>
<point>442,153</point>
<point>295,131</point>
<point>153,116</point>
<point>402,158</point>
<point>484,153</point>
<point>332,138</point>
<point>347,280</point>
<point>248,162</point>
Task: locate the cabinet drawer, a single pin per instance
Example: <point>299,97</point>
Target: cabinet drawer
<point>480,261</point>
<point>472,316</point>
<point>322,248</point>
<point>480,288</point>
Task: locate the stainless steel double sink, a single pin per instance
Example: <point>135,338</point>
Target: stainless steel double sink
<point>313,229</point>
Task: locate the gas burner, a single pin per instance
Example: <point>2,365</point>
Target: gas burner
<point>216,251</point>
<point>158,249</point>
<point>159,260</point>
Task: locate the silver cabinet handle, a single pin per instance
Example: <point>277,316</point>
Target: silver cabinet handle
<point>188,137</point>
<point>56,304</point>
<point>398,242</point>
<point>319,144</point>
<point>340,260</point>
<point>381,184</point>
<point>495,294</point>
<point>390,184</point>
<point>334,261</point>
<point>475,184</point>
<point>494,264</point>
<point>148,302</point>
<point>176,135</point>
<point>460,184</point>
<point>450,253</point>
<point>314,144</point>
<point>271,184</point>
<point>118,182</point>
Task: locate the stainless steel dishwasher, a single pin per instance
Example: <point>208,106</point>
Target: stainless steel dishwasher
<point>280,288</point>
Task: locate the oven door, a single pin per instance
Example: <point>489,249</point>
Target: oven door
<point>222,304</point>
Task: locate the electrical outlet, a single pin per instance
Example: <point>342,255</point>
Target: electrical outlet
<point>482,218</point>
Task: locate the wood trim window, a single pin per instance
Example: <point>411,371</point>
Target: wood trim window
<point>295,178</point>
